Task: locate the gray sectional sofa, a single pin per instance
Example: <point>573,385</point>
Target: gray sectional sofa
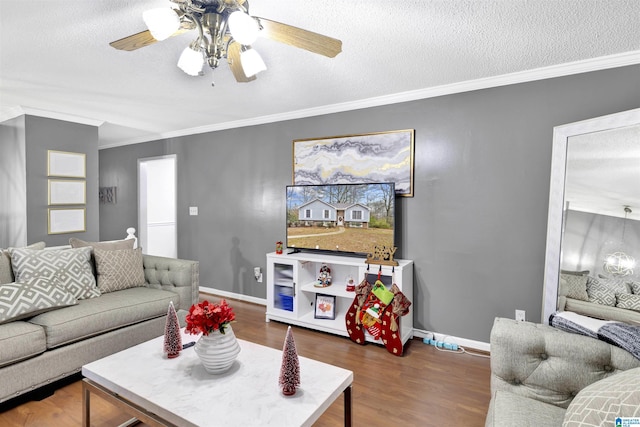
<point>542,376</point>
<point>53,343</point>
<point>599,297</point>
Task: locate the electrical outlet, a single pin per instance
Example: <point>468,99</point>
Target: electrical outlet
<point>193,210</point>
<point>520,315</point>
<point>257,273</point>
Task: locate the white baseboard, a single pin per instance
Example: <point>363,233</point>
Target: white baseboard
<point>233,295</point>
<point>463,342</point>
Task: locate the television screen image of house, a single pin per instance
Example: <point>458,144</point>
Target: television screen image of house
<point>342,217</point>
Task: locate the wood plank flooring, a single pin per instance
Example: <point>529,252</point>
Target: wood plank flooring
<point>425,387</point>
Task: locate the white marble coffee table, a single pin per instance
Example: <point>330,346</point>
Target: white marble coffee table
<point>164,392</point>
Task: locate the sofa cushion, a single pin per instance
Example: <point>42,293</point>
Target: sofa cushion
<point>110,245</point>
<point>574,286</point>
<point>602,402</point>
<point>6,272</point>
<point>97,315</point>
<point>71,267</point>
<point>20,340</point>
<point>628,301</point>
<point>119,269</point>
<point>508,409</point>
<point>21,300</point>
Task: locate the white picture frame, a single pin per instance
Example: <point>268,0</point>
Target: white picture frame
<point>66,220</point>
<point>66,164</point>
<point>67,192</point>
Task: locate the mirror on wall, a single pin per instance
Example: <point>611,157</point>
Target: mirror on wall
<point>593,232</point>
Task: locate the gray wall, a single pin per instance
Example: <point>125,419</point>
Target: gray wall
<point>476,227</point>
<point>13,183</point>
<point>43,134</point>
<point>588,238</point>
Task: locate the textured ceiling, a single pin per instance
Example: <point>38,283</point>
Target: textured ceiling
<point>55,58</point>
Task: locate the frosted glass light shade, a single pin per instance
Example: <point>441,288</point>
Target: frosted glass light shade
<point>252,62</point>
<point>244,28</point>
<point>162,22</point>
<point>191,61</point>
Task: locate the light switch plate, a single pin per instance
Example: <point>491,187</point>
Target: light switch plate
<point>193,210</point>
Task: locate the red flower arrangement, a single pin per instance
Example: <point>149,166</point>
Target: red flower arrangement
<point>207,317</point>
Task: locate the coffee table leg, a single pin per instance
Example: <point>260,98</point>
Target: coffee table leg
<point>347,406</point>
<point>86,405</point>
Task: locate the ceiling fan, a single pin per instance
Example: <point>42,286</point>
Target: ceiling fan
<point>225,30</point>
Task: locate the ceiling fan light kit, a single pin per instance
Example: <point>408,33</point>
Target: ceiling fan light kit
<point>162,22</point>
<point>191,60</point>
<point>252,62</point>
<point>243,28</point>
<point>226,30</point>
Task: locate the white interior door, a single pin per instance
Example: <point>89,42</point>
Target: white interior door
<point>157,206</point>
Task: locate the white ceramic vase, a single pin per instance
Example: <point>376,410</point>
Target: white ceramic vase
<point>218,351</point>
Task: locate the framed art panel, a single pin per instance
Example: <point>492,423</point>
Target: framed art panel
<point>67,192</point>
<point>66,164</point>
<point>63,220</point>
<point>372,157</point>
<point>325,307</point>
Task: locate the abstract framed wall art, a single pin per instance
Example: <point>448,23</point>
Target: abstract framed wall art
<point>348,159</point>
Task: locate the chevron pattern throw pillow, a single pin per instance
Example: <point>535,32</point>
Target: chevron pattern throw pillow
<point>119,269</point>
<point>628,301</point>
<point>600,293</point>
<point>22,300</point>
<point>6,274</point>
<point>71,267</point>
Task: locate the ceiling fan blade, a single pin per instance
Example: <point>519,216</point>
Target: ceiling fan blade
<point>144,38</point>
<point>233,58</point>
<point>297,37</point>
<point>134,41</point>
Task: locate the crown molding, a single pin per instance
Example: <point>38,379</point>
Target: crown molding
<point>9,113</point>
<point>62,116</point>
<point>570,68</point>
<point>560,70</point>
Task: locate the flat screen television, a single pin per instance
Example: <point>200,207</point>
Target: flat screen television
<point>343,218</point>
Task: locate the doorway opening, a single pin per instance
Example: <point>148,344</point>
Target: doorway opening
<point>157,206</point>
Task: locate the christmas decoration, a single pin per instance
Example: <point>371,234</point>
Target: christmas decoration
<point>324,278</point>
<point>371,312</point>
<point>352,318</point>
<point>172,337</point>
<point>351,284</point>
<point>290,370</point>
<point>378,310</point>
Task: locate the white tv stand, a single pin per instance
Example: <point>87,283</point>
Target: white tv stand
<point>291,293</point>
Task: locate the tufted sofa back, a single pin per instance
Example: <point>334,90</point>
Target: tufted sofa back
<point>179,276</point>
<point>544,363</point>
